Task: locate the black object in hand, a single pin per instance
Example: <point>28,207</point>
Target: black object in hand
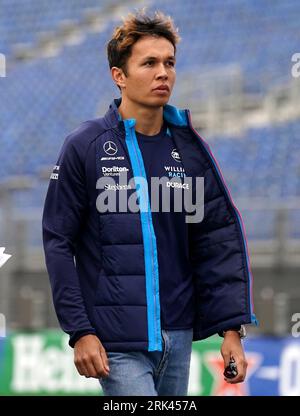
<point>231,370</point>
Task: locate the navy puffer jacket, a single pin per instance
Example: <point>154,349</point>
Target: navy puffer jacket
<point>103,267</point>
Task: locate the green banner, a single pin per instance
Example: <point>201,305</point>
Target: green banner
<point>41,363</point>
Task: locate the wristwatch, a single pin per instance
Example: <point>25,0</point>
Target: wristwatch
<point>240,329</point>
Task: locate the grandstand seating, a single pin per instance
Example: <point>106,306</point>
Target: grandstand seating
<point>259,35</point>
<point>44,99</point>
<point>22,21</point>
<point>263,162</point>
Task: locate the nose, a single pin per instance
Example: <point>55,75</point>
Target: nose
<point>162,72</point>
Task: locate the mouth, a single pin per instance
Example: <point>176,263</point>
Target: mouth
<point>162,88</point>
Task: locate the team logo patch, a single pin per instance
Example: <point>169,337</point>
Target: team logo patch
<point>110,148</point>
<point>175,155</point>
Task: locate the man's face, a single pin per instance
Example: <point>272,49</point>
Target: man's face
<point>151,64</point>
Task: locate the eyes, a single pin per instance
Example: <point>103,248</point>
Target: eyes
<point>150,63</point>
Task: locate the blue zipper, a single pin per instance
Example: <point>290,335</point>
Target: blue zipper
<point>150,247</point>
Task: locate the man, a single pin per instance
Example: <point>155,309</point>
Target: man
<point>144,284</point>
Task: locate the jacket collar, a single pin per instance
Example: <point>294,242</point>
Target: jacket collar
<point>171,114</point>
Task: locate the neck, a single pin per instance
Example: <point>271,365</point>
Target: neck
<point>149,120</point>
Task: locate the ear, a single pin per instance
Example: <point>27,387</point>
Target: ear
<point>118,76</point>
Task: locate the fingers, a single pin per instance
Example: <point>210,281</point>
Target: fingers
<point>91,365</point>
<point>232,349</point>
<point>226,358</point>
<point>101,369</point>
<point>90,357</point>
<point>81,368</point>
<point>241,365</point>
<point>104,358</point>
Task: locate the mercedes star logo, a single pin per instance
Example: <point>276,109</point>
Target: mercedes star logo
<point>110,148</point>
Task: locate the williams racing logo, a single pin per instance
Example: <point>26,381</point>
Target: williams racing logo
<point>175,155</point>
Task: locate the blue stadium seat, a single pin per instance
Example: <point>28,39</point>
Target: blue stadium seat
<point>43,100</point>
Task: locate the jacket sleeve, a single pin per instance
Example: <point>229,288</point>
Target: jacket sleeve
<point>64,212</point>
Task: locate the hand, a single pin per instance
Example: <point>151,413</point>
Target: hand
<point>232,347</point>
<point>90,357</point>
